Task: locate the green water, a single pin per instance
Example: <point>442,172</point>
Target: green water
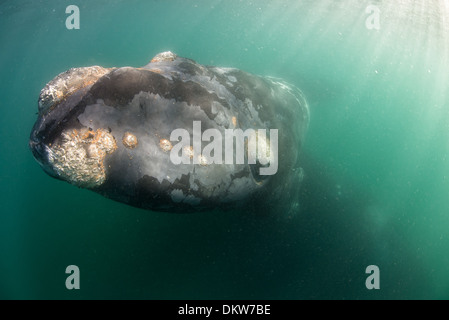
<point>376,157</point>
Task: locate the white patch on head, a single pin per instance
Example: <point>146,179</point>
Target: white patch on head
<point>79,158</point>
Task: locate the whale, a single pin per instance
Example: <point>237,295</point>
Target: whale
<point>174,135</point>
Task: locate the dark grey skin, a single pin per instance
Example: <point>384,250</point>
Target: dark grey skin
<point>109,130</point>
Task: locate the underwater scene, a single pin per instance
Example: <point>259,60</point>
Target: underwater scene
<point>341,190</point>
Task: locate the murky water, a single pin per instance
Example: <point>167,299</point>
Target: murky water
<point>376,77</point>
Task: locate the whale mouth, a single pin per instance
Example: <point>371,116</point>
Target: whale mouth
<point>38,150</point>
<point>40,154</point>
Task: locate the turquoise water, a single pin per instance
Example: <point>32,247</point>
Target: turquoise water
<point>376,157</point>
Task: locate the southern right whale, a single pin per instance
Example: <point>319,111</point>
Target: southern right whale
<point>173,135</point>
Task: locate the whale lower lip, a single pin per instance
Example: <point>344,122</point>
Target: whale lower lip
<point>112,130</point>
<point>39,151</point>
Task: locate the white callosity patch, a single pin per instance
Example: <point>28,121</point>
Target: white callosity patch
<point>66,83</point>
<point>79,158</point>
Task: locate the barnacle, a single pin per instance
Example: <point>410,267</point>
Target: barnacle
<point>129,140</point>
